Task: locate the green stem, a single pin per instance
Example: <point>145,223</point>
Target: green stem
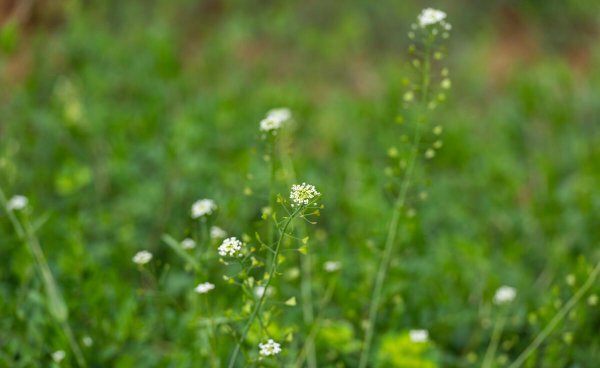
<point>258,306</point>
<point>557,318</point>
<point>493,346</point>
<point>394,224</point>
<point>306,266</point>
<point>57,305</point>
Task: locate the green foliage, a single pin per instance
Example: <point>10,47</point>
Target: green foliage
<point>398,350</point>
<point>115,116</point>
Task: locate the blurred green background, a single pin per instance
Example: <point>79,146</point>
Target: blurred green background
<point>116,115</point>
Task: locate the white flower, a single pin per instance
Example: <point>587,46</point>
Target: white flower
<point>418,336</point>
<point>230,247</point>
<point>58,356</point>
<point>302,194</point>
<point>142,257</point>
<point>217,233</point>
<point>17,202</point>
<point>504,295</point>
<point>430,16</point>
<point>281,114</point>
<point>332,266</point>
<point>269,348</point>
<point>188,243</point>
<point>204,288</point>
<point>203,207</point>
<point>269,124</point>
<point>275,119</point>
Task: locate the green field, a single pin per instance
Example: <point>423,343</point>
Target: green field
<point>446,170</point>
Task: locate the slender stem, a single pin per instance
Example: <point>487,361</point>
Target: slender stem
<point>394,224</point>
<point>315,328</point>
<point>271,220</point>
<point>493,346</point>
<point>306,266</point>
<point>557,318</point>
<point>57,305</point>
<point>258,306</point>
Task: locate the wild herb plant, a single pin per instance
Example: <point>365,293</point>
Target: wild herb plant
<point>422,96</point>
<point>252,264</point>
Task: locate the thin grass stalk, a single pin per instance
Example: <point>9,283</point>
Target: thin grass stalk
<point>542,336</point>
<point>395,222</point>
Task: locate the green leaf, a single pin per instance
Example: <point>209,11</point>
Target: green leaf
<point>181,252</point>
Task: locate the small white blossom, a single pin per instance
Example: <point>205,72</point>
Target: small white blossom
<point>504,295</point>
<point>87,341</point>
<point>269,348</point>
<point>203,207</point>
<point>332,266</point>
<point>188,243</point>
<point>142,257</point>
<point>17,202</point>
<point>204,288</point>
<point>269,124</point>
<point>418,336</point>
<point>58,356</point>
<point>230,247</point>
<point>302,194</point>
<point>431,16</point>
<point>217,233</point>
<point>281,114</point>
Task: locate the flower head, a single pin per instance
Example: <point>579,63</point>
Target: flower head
<point>217,233</point>
<point>230,247</point>
<point>204,288</point>
<point>504,295</point>
<point>142,257</point>
<point>17,202</point>
<point>58,356</point>
<point>269,348</point>
<point>281,114</point>
<point>203,207</point>
<point>188,243</point>
<point>332,266</point>
<point>418,336</point>
<point>302,194</point>
<point>275,119</point>
<point>430,16</point>
<point>270,124</point>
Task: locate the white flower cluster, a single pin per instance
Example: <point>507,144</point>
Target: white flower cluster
<point>230,247</point>
<point>204,288</point>
<point>418,336</point>
<point>275,119</point>
<point>302,194</point>
<point>142,257</point>
<point>505,295</point>
<point>203,207</point>
<point>430,16</point>
<point>188,243</point>
<point>217,233</point>
<point>16,203</point>
<point>269,348</point>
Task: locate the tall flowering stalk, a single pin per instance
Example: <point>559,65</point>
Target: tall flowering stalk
<point>429,29</point>
<point>302,198</point>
